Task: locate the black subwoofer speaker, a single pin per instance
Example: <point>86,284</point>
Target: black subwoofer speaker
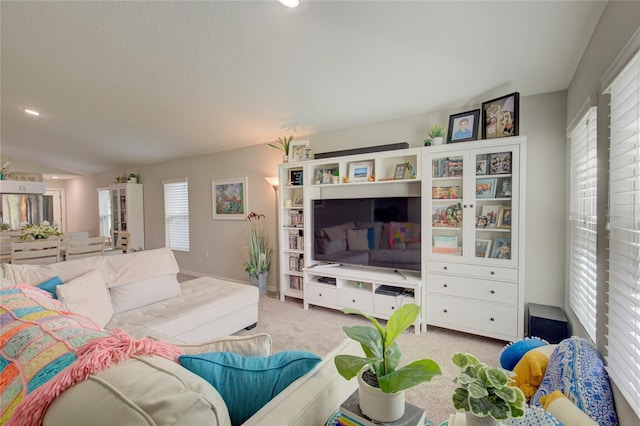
<point>547,322</point>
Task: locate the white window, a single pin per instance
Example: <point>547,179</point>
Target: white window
<point>583,221</point>
<point>104,212</point>
<point>176,214</point>
<point>623,327</point>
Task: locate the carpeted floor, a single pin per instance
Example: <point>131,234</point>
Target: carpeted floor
<point>319,330</point>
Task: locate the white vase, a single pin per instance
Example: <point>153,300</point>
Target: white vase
<point>438,141</point>
<point>285,158</point>
<point>473,420</point>
<point>380,406</point>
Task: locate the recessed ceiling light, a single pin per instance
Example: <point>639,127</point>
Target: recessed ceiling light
<point>290,3</point>
<point>31,111</point>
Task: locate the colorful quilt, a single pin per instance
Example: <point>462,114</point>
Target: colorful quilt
<point>44,350</point>
<point>401,233</point>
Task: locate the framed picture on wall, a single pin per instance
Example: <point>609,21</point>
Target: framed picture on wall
<point>229,198</point>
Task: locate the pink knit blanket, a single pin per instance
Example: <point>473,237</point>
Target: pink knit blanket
<point>44,351</point>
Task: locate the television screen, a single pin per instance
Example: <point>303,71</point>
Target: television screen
<point>378,232</point>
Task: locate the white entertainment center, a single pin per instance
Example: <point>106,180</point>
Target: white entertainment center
<point>470,235</point>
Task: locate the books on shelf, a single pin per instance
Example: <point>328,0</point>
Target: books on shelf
<point>295,219</point>
<point>295,283</point>
<point>351,415</point>
<point>296,262</point>
<point>296,240</point>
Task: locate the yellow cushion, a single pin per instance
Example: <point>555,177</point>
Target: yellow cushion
<point>561,407</point>
<point>531,368</point>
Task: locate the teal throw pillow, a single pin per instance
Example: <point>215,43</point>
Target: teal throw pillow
<point>50,285</point>
<point>512,353</point>
<point>248,383</point>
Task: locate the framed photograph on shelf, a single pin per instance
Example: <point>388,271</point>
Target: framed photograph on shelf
<point>500,163</point>
<point>481,166</point>
<point>486,188</point>
<point>229,198</point>
<point>297,150</point>
<point>500,116</point>
<point>504,217</point>
<point>491,212</point>
<point>401,169</point>
<point>307,153</point>
<point>483,248</point>
<point>295,177</point>
<point>504,188</point>
<point>463,126</point>
<point>298,201</point>
<point>501,248</point>
<point>361,171</point>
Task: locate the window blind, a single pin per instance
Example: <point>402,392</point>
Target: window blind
<point>176,214</point>
<point>623,326</point>
<point>583,221</point>
<point>104,212</point>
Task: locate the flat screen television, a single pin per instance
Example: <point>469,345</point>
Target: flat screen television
<point>381,232</point>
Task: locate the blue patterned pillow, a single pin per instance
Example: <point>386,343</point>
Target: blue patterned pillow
<point>576,369</point>
<point>248,383</point>
<point>514,351</point>
<point>533,416</point>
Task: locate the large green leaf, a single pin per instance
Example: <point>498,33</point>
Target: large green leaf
<point>508,393</point>
<point>497,378</point>
<point>349,366</point>
<point>350,311</point>
<point>500,410</point>
<point>399,321</point>
<point>391,359</point>
<point>461,399</point>
<point>370,340</point>
<point>410,375</point>
<point>476,390</point>
<point>480,406</point>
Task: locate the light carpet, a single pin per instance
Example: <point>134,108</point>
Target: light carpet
<point>319,330</point>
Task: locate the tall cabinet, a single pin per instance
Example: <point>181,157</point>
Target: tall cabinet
<point>473,245</point>
<point>292,232</point>
<point>127,213</point>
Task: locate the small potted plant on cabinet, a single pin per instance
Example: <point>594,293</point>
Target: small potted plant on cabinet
<point>484,393</point>
<point>436,133</point>
<point>133,177</point>
<point>283,145</point>
<point>381,383</point>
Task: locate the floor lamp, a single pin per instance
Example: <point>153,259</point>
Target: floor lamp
<point>274,182</point>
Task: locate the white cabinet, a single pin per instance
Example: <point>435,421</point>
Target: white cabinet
<point>375,292</point>
<point>127,213</point>
<point>473,225</point>
<point>21,187</point>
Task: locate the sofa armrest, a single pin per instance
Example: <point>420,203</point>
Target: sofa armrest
<point>253,345</point>
<point>314,397</point>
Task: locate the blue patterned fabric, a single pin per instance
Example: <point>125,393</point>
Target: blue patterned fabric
<point>533,416</point>
<point>576,369</point>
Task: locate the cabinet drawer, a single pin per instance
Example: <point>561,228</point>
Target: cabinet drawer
<point>323,294</point>
<point>489,272</point>
<point>360,300</point>
<point>487,290</point>
<point>387,305</point>
<point>472,316</point>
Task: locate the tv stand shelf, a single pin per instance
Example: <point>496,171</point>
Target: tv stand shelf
<point>355,287</point>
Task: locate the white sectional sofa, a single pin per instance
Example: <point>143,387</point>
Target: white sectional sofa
<point>147,299</point>
<point>152,390</point>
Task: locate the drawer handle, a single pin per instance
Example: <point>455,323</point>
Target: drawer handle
<point>493,272</point>
<point>445,311</point>
<point>471,205</point>
<point>445,268</point>
<point>465,206</point>
<point>320,294</point>
<point>353,300</point>
<point>493,292</point>
<point>393,308</point>
<point>444,285</point>
<point>493,319</point>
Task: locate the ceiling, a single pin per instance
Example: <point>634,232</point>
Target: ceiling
<point>125,84</point>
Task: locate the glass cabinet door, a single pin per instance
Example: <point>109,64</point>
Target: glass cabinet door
<point>473,204</point>
<point>447,198</point>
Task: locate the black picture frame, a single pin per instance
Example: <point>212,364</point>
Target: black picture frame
<point>472,118</point>
<point>500,116</point>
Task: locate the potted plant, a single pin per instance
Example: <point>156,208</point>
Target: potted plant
<point>40,231</point>
<point>484,393</point>
<point>436,133</point>
<point>258,251</point>
<point>335,178</point>
<point>283,144</point>
<point>133,177</point>
<point>380,381</point>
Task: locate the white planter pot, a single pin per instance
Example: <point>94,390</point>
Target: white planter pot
<point>380,406</point>
<point>438,141</point>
